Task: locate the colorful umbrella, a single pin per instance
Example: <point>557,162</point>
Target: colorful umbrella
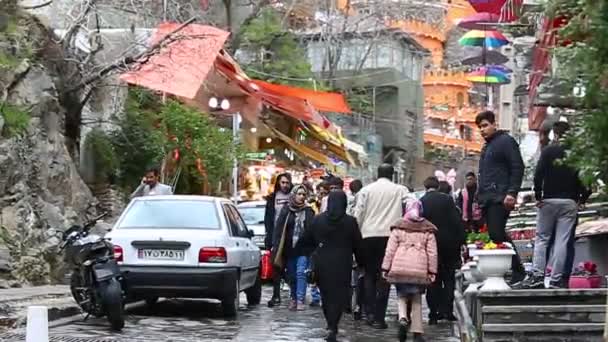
<point>486,39</point>
<point>500,68</point>
<point>489,6</point>
<point>491,57</point>
<point>488,76</point>
<point>479,21</point>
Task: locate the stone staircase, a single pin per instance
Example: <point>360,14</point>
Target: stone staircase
<point>541,315</point>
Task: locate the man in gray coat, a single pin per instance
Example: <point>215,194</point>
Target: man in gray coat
<point>150,185</point>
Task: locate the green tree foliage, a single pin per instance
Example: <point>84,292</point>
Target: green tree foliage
<point>206,151</point>
<point>99,145</point>
<point>151,130</point>
<point>584,60</point>
<point>138,144</point>
<point>277,51</point>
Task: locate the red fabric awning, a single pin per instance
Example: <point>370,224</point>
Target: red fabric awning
<point>321,101</point>
<point>182,66</point>
<point>541,61</point>
<point>195,67</point>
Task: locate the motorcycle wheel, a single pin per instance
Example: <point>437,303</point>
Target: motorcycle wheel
<point>111,294</point>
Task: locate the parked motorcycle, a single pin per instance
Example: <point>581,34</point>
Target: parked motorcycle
<point>96,279</point>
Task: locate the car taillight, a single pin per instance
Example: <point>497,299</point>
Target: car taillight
<point>118,254</point>
<point>212,255</point>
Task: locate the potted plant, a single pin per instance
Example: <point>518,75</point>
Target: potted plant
<point>476,241</point>
<point>585,276</point>
<point>494,262</point>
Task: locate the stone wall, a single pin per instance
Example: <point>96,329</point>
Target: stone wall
<point>41,190</point>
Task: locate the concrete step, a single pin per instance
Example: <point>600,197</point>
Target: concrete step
<point>505,314</point>
<point>543,332</point>
<point>544,297</point>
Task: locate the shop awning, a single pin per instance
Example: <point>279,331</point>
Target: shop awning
<point>301,149</point>
<point>335,144</point>
<point>319,100</point>
<point>181,67</point>
<point>355,147</point>
<point>541,61</point>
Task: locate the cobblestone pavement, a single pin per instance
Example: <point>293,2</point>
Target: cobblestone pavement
<point>194,320</point>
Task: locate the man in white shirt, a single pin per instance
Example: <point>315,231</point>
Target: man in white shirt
<point>150,185</point>
<point>379,205</point>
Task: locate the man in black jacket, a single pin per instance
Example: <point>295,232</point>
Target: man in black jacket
<point>274,204</point>
<point>501,170</point>
<point>440,209</point>
<point>559,191</point>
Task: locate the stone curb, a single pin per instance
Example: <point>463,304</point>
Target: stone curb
<point>13,310</point>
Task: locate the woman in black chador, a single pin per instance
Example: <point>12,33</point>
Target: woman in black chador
<point>336,237</point>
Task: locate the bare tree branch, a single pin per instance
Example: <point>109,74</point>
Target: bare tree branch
<point>37,6</point>
<point>128,60</point>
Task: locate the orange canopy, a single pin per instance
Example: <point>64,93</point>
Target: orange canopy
<point>321,101</point>
<point>182,65</point>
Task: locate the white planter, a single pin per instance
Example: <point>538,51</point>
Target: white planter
<point>473,276</point>
<point>472,249</point>
<point>494,263</point>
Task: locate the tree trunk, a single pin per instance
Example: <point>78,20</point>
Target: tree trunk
<point>228,8</point>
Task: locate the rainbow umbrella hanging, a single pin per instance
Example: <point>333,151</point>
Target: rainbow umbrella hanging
<point>500,68</point>
<point>479,21</point>
<point>488,76</point>
<point>486,39</point>
<point>491,56</point>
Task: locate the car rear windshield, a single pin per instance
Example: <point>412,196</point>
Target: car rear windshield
<point>253,215</point>
<point>171,214</point>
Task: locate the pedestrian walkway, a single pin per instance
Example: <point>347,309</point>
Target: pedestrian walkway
<point>14,303</point>
<point>194,321</point>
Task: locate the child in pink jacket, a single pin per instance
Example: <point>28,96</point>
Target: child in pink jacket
<point>410,262</point>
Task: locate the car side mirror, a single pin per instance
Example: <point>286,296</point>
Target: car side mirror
<point>250,233</point>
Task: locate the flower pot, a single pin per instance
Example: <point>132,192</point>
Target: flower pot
<point>585,282</point>
<point>494,263</point>
<point>472,276</point>
<point>472,249</point>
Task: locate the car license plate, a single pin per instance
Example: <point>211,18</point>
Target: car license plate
<point>161,254</point>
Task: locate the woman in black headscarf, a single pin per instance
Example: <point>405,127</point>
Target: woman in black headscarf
<point>336,237</point>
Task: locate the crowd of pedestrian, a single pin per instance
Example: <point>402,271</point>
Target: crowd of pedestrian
<point>350,249</point>
<point>355,246</point>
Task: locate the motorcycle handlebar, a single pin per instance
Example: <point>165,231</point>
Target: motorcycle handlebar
<point>94,220</point>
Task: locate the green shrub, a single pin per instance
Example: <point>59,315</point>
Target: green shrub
<point>100,145</point>
<point>16,120</point>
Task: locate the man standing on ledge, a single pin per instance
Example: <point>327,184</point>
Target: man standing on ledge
<point>501,170</point>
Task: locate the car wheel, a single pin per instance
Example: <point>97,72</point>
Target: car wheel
<point>230,303</point>
<point>254,293</point>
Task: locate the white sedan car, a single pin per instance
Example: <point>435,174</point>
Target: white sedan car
<point>253,214</point>
<point>187,247</point>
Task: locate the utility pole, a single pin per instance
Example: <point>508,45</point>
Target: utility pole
<point>235,168</point>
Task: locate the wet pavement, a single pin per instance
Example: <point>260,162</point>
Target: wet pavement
<point>195,320</point>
